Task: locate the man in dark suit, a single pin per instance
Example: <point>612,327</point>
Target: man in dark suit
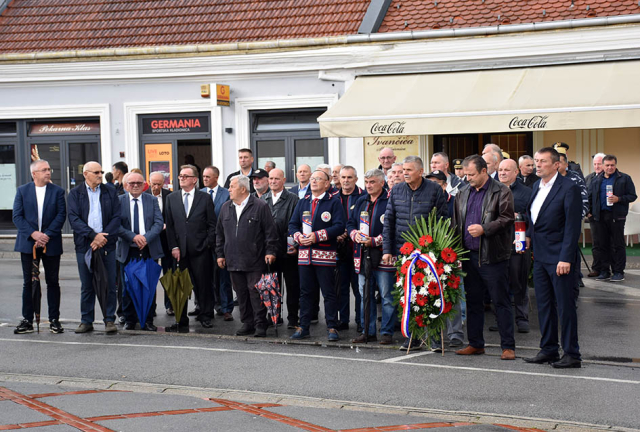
<point>245,160</point>
<point>39,212</point>
<point>157,190</point>
<point>222,291</point>
<point>141,225</point>
<point>302,187</point>
<point>554,212</point>
<point>94,216</point>
<point>191,225</point>
<point>527,171</point>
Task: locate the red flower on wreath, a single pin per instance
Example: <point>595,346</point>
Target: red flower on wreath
<point>418,279</point>
<point>405,267</point>
<point>421,264</point>
<point>406,248</point>
<point>433,288</point>
<point>439,268</point>
<point>449,255</point>
<point>421,300</point>
<point>447,307</point>
<point>419,321</point>
<point>425,240</point>
<point>453,281</point>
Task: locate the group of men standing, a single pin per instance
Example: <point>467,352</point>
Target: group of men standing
<point>312,238</point>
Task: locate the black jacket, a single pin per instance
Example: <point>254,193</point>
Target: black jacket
<point>244,243</point>
<point>404,206</point>
<point>497,221</point>
<point>281,213</point>
<point>623,188</point>
<point>232,175</point>
<point>530,180</point>
<point>194,234</point>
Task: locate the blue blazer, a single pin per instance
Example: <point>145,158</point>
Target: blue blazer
<point>221,197</point>
<point>555,234</point>
<point>153,223</point>
<point>83,234</point>
<point>25,217</point>
<point>295,189</point>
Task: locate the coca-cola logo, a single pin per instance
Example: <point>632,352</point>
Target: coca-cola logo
<point>393,128</point>
<point>535,122</point>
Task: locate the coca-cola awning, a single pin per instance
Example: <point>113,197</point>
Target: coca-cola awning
<point>584,96</point>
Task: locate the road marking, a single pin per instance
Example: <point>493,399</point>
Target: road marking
<point>327,357</point>
<point>405,357</point>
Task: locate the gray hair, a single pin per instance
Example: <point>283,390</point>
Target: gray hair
<point>272,164</point>
<point>242,180</point>
<point>397,164</point>
<point>156,173</point>
<point>349,167</point>
<point>414,160</point>
<point>35,164</point>
<point>443,155</point>
<point>323,167</point>
<point>374,173</point>
<point>600,155</point>
<point>524,158</point>
<point>125,178</point>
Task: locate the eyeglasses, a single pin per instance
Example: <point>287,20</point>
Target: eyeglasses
<point>95,172</point>
<point>44,170</point>
<point>386,157</point>
<point>136,183</point>
<point>184,177</point>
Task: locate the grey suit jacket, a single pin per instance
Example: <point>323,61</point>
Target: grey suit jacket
<point>153,224</point>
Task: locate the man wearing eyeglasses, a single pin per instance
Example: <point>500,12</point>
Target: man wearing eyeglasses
<point>386,158</point>
<point>39,212</point>
<point>94,215</point>
<point>324,218</point>
<point>140,228</point>
<point>191,235</point>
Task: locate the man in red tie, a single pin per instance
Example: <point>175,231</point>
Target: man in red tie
<point>315,225</point>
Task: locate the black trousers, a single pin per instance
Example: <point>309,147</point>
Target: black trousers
<point>51,271</point>
<point>128,308</point>
<point>252,311</point>
<point>612,248</point>
<point>287,268</point>
<point>519,266</point>
<point>200,268</point>
<point>495,279</point>
<point>597,249</point>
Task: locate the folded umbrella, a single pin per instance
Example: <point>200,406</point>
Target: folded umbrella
<point>177,283</point>
<point>100,278</point>
<point>36,289</point>
<point>269,288</point>
<point>148,277</point>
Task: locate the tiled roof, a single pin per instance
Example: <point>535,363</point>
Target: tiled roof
<point>55,25</point>
<point>404,15</point>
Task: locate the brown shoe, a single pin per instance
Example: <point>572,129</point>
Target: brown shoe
<point>110,328</point>
<point>386,339</point>
<point>594,274</point>
<point>508,354</point>
<point>469,350</point>
<point>228,316</point>
<point>362,339</point>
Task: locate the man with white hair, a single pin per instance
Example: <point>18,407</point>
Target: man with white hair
<point>494,148</point>
<point>246,240</point>
<point>333,190</point>
<point>397,174</point>
<point>527,171</point>
<point>386,158</point>
<point>40,236</point>
<point>440,162</point>
<point>492,161</point>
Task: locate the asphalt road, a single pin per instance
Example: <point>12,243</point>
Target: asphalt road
<point>604,392</point>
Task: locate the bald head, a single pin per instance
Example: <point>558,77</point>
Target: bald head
<point>386,158</point>
<point>276,180</point>
<point>92,172</point>
<point>508,171</point>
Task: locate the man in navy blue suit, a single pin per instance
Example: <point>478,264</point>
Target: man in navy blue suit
<point>555,215</point>
<point>223,294</point>
<point>39,212</point>
<point>94,215</point>
<point>140,226</point>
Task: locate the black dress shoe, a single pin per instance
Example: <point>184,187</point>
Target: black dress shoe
<point>194,312</point>
<point>567,362</point>
<point>541,358</point>
<point>149,327</point>
<point>206,323</point>
<point>342,326</point>
<point>175,328</point>
<point>260,332</point>
<point>129,326</point>
<point>245,330</point>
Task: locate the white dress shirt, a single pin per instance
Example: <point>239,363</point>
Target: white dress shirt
<point>240,207</point>
<point>276,196</point>
<point>40,193</point>
<point>543,192</point>
<point>215,192</point>
<point>159,198</point>
<point>140,213</point>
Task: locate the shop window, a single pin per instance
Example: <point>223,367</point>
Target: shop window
<point>289,138</point>
<point>8,129</point>
<point>8,184</point>
<point>516,144</point>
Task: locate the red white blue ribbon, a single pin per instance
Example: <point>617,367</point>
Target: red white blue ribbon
<point>408,288</point>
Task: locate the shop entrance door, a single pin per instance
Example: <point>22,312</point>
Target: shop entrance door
<point>168,155</point>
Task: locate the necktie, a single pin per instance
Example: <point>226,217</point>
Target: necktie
<point>314,204</point>
<point>211,193</point>
<point>136,222</point>
<point>186,204</point>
